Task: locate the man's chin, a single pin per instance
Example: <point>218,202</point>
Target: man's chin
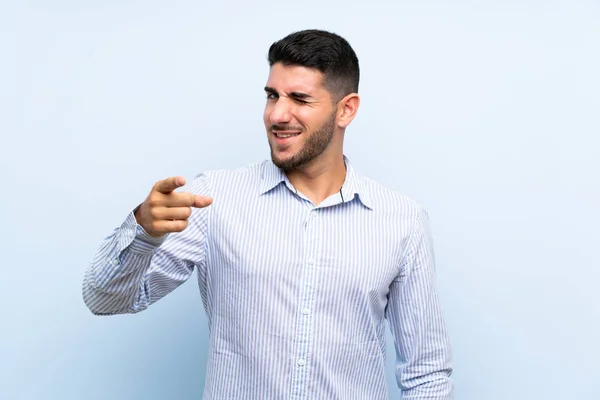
<point>281,163</point>
<point>285,163</point>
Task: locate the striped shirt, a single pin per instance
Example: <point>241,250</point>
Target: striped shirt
<point>296,295</point>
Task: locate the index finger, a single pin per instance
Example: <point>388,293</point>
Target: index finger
<point>166,186</point>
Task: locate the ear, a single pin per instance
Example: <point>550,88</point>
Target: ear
<point>347,109</point>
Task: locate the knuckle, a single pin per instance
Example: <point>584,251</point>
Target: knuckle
<point>154,213</point>
<point>156,226</point>
<point>183,224</point>
<point>190,199</point>
<point>179,225</point>
<point>152,201</point>
<point>157,185</point>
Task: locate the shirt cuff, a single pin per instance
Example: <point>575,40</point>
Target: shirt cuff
<point>137,239</point>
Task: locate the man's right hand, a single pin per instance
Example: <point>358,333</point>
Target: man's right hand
<point>165,210</point>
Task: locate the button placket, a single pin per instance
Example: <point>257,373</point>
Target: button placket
<point>307,294</point>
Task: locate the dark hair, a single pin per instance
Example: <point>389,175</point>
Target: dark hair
<point>325,51</point>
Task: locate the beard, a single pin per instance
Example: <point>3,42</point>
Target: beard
<point>313,147</point>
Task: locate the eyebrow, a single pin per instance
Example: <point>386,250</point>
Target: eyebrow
<point>296,95</point>
<point>299,95</point>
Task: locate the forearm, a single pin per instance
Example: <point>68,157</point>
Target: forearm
<point>424,356</point>
<point>116,280</point>
<point>133,269</point>
<point>435,386</point>
<point>424,367</point>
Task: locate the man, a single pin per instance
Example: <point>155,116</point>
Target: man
<point>300,260</point>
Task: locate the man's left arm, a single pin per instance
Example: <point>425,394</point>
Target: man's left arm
<point>423,353</point>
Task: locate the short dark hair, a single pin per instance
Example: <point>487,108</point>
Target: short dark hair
<point>325,51</point>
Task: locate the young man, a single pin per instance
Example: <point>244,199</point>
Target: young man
<point>300,259</point>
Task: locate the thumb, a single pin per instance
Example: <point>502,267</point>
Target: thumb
<point>168,185</point>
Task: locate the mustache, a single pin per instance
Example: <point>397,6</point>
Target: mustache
<point>278,127</point>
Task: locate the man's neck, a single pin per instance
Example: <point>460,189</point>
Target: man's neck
<point>320,179</point>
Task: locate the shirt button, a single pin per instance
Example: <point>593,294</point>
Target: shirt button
<point>301,362</point>
<point>311,261</point>
<point>305,311</point>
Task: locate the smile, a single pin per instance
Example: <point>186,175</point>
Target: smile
<point>285,134</point>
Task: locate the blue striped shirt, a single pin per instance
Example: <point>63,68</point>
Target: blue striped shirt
<point>296,295</point>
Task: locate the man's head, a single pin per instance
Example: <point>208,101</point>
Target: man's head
<point>311,96</point>
<point>323,51</point>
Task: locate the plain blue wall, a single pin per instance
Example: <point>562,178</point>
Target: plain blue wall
<point>485,112</point>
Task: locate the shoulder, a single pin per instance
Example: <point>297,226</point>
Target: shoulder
<point>241,178</point>
<point>391,201</point>
<point>247,171</point>
<point>406,218</point>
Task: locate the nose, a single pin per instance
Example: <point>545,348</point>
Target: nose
<point>280,112</point>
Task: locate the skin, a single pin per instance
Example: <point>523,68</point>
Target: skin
<point>297,104</point>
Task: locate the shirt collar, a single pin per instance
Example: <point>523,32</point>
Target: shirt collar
<point>354,184</point>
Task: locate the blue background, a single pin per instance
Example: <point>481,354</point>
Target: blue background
<point>485,112</point>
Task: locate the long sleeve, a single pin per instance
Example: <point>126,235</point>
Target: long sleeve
<point>423,353</point>
<point>131,269</point>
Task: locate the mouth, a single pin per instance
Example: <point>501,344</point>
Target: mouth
<point>284,138</point>
<point>285,134</point>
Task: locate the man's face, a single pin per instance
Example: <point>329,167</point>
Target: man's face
<point>300,116</point>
